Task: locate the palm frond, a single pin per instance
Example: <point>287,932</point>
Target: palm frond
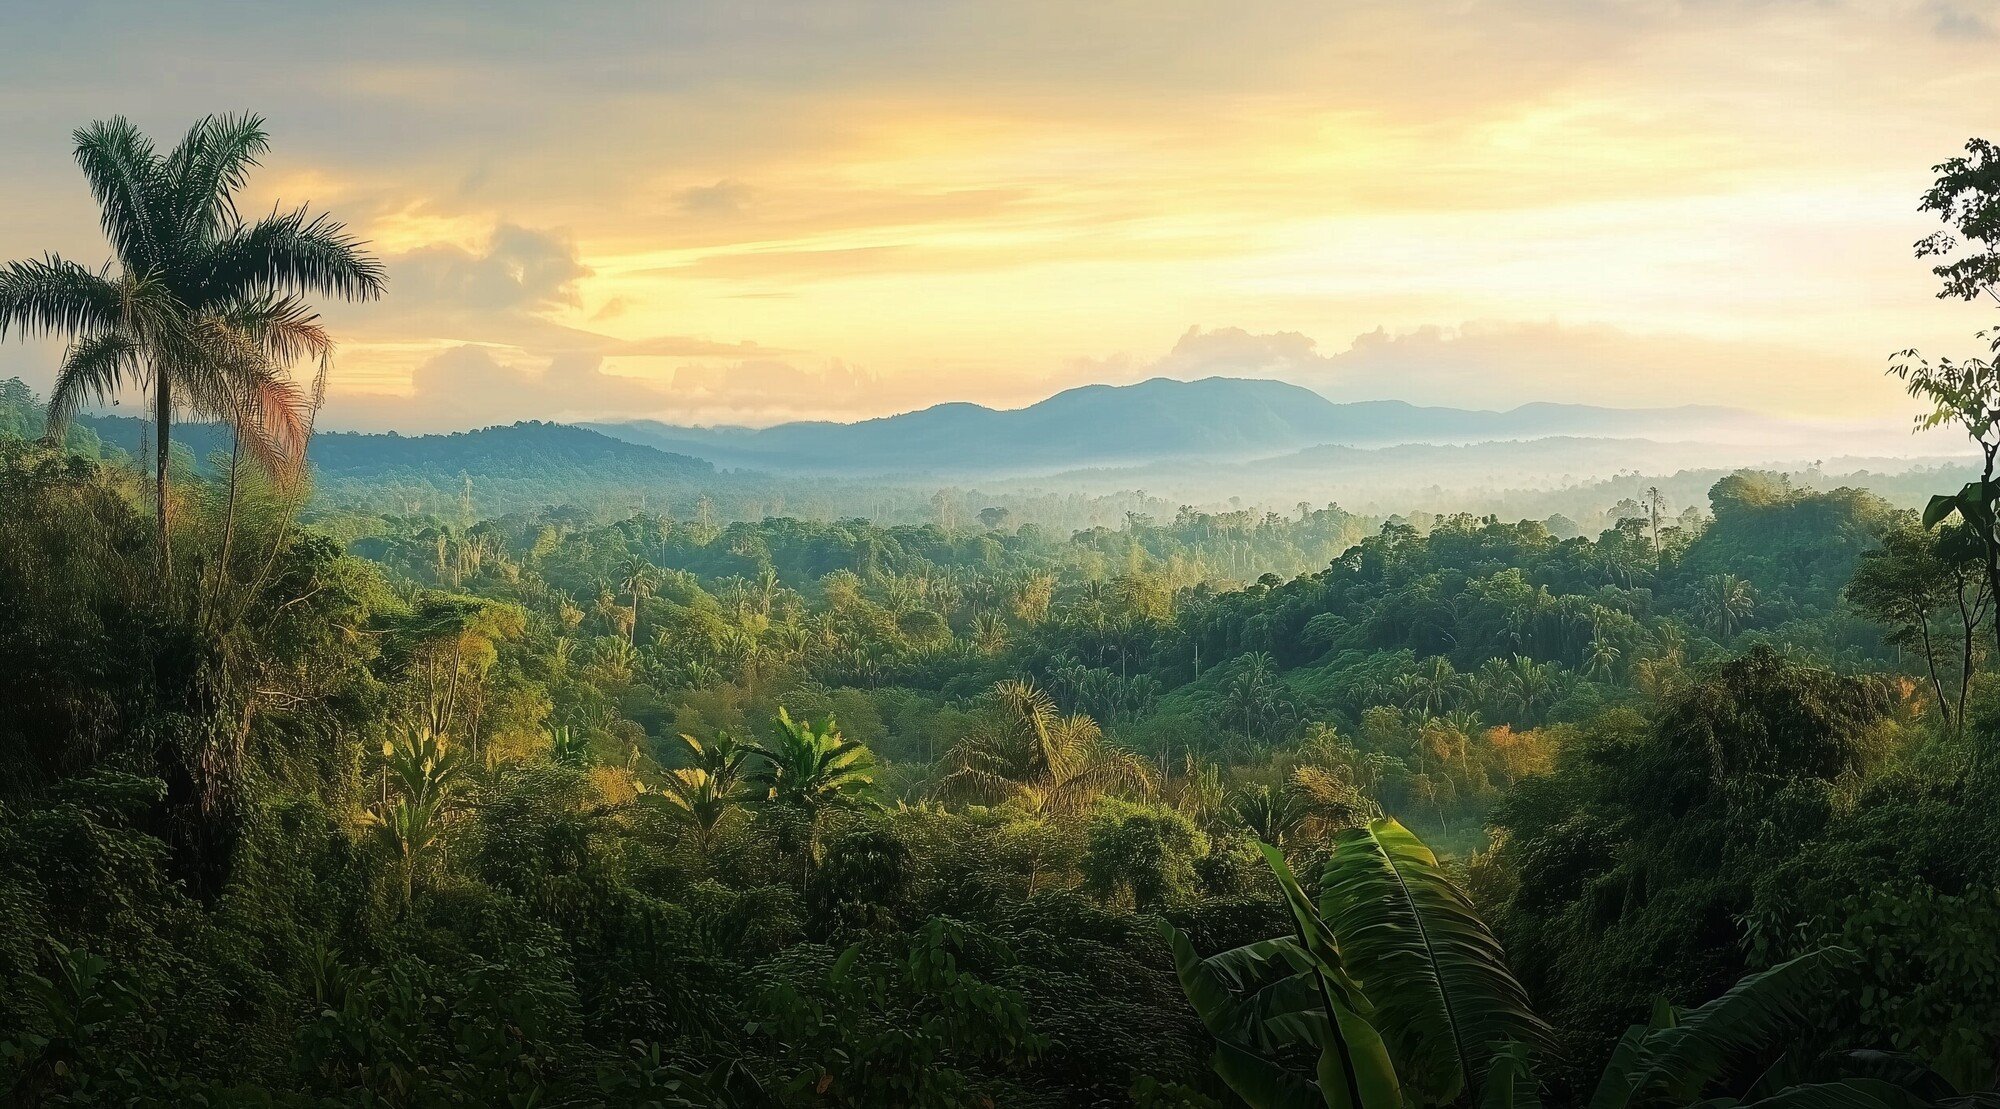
<point>95,366</point>
<point>208,169</point>
<point>223,373</point>
<point>285,327</point>
<point>290,252</point>
<point>1850,1093</point>
<point>1264,1002</point>
<point>276,422</point>
<point>47,295</point>
<point>1509,1084</point>
<point>125,176</point>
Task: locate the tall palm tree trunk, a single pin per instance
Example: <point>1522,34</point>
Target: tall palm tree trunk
<point>163,414</point>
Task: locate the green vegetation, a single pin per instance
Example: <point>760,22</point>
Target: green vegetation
<point>360,805</point>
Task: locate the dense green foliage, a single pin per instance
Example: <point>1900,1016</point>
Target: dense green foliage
<point>363,801</point>
<point>556,809</point>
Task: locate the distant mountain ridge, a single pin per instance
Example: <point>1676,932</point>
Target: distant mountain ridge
<point>1095,426</point>
<point>528,447</point>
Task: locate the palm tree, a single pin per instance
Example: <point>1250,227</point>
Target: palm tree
<point>205,307</point>
<point>1274,816</point>
<point>810,772</point>
<point>711,785</point>
<point>1727,601</point>
<point>1601,662</point>
<point>1522,685</point>
<point>1656,506</point>
<point>636,576</point>
<point>425,769</point>
<point>1031,752</point>
<point>989,633</point>
<point>1430,689</point>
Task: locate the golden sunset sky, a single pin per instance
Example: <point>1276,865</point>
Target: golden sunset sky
<point>753,212</point>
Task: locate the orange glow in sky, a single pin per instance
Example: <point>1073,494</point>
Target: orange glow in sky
<point>763,211</point>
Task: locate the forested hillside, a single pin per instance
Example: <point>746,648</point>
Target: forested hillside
<point>371,792</point>
<point>844,814</point>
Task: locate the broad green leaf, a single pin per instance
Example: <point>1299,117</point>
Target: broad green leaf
<point>1852,1093</point>
<point>1263,1084</point>
<point>1314,935</point>
<point>1673,1064</point>
<point>1441,992</point>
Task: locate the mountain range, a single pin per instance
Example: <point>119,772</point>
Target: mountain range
<point>529,448</point>
<point>1097,426</point>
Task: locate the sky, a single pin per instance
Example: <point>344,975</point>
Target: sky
<point>753,212</point>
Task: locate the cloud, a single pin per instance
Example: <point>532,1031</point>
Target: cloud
<point>513,291</point>
<point>724,198</point>
<point>471,386</point>
<point>1234,352</point>
<point>519,269</point>
<point>766,390</point>
<point>1504,363</point>
<point>1956,21</point>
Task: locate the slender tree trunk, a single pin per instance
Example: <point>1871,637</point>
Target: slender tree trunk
<point>163,414</point>
<point>228,521</point>
<point>1992,541</point>
<point>1930,665</point>
<point>1968,620</point>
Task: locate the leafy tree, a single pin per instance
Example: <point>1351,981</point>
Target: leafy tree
<point>809,772</point>
<point>205,306</point>
<point>1144,852</point>
<point>1965,394</point>
<point>1029,751</point>
<point>708,789</point>
<point>424,768</point>
<point>1917,581</point>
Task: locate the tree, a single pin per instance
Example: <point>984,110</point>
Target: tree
<point>1431,688</point>
<point>1913,581</point>
<point>1656,506</point>
<point>1964,394</point>
<point>205,307</point>
<point>1522,686</point>
<point>1143,851</point>
<point>1600,662</point>
<point>424,768</point>
<point>707,789</point>
<point>1725,602</point>
<point>809,772</point>
<point>569,747</point>
<point>1027,750</point>
<point>636,577</point>
<point>1274,816</point>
